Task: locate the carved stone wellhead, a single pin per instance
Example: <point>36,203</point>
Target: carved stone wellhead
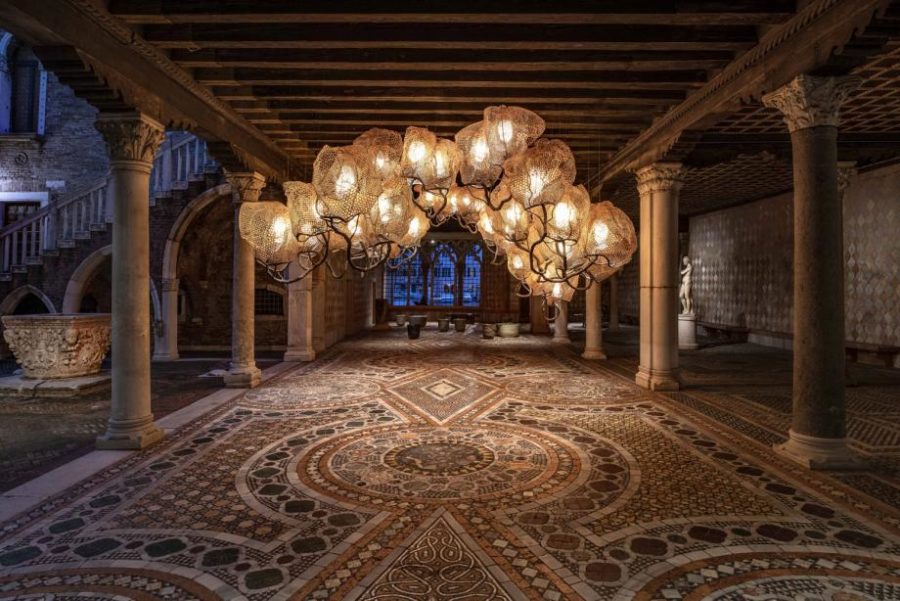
<point>58,346</point>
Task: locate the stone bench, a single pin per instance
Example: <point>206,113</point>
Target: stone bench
<point>874,354</point>
<point>724,331</point>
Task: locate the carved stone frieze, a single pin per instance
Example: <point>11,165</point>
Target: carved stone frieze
<point>660,177</point>
<point>58,346</point>
<point>809,101</point>
<point>846,171</point>
<point>245,187</point>
<point>131,138</point>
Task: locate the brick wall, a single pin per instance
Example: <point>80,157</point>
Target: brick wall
<point>71,152</point>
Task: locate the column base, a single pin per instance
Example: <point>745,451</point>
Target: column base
<point>819,453</point>
<point>129,435</point>
<point>242,377</point>
<point>300,355</point>
<point>652,379</point>
<point>593,354</point>
<point>561,340</point>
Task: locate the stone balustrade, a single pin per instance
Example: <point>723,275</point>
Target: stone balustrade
<point>57,346</point>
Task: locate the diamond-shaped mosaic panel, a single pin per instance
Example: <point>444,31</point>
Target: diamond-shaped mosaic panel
<point>443,393</point>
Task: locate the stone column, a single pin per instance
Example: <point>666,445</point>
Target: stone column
<point>817,438</point>
<point>561,323</point>
<point>658,186</point>
<point>243,373</point>
<point>593,323</point>
<point>300,318</point>
<point>132,141</point>
<point>166,347</point>
<point>614,303</point>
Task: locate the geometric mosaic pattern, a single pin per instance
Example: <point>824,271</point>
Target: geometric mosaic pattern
<point>512,470</point>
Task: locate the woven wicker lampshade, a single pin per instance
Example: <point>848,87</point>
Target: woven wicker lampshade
<point>610,238</point>
<point>477,165</point>
<point>509,130</point>
<point>383,148</point>
<point>391,212</point>
<point>266,226</point>
<point>343,182</point>
<point>540,174</point>
<point>302,202</point>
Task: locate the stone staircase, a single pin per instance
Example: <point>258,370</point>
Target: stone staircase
<point>45,248</point>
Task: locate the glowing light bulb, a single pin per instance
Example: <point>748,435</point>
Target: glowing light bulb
<point>279,228</point>
<point>353,226</point>
<point>417,151</point>
<point>384,208</point>
<point>600,232</point>
<point>379,161</point>
<point>345,181</point>
<point>479,150</point>
<point>512,213</point>
<point>517,262</point>
<point>486,225</point>
<point>557,290</point>
<point>562,215</point>
<point>440,164</point>
<point>505,131</point>
<point>414,227</point>
<point>535,182</point>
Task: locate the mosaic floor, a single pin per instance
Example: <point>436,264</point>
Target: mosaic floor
<point>452,468</point>
<point>39,434</point>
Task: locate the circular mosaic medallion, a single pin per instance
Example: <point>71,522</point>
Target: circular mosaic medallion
<point>443,458</point>
<point>437,465</point>
<point>311,390</point>
<point>574,389</point>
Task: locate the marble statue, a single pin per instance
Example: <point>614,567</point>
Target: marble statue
<point>685,295</point>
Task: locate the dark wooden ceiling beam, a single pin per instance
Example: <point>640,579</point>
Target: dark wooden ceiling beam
<point>496,35</point>
<point>486,95</point>
<point>581,106</point>
<point>448,60</point>
<point>735,12</point>
<point>331,76</point>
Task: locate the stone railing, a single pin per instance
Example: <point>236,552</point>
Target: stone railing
<point>181,159</point>
<point>58,346</point>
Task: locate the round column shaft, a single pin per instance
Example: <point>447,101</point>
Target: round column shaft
<point>817,438</point>
<point>593,323</point>
<point>243,373</point>
<point>561,323</point>
<point>132,141</point>
<point>658,185</point>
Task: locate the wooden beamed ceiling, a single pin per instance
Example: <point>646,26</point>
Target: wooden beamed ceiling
<point>309,74</point>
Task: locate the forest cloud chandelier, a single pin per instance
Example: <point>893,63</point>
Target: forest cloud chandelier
<point>372,202</point>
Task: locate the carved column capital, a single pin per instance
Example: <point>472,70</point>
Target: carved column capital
<point>245,187</point>
<point>846,171</point>
<point>131,137</point>
<point>660,177</point>
<point>809,101</point>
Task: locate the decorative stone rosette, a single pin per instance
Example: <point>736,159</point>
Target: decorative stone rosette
<point>58,346</point>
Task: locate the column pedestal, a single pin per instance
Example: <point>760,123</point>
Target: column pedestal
<point>819,453</point>
<point>687,332</point>
<point>132,141</point>
<point>561,323</point>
